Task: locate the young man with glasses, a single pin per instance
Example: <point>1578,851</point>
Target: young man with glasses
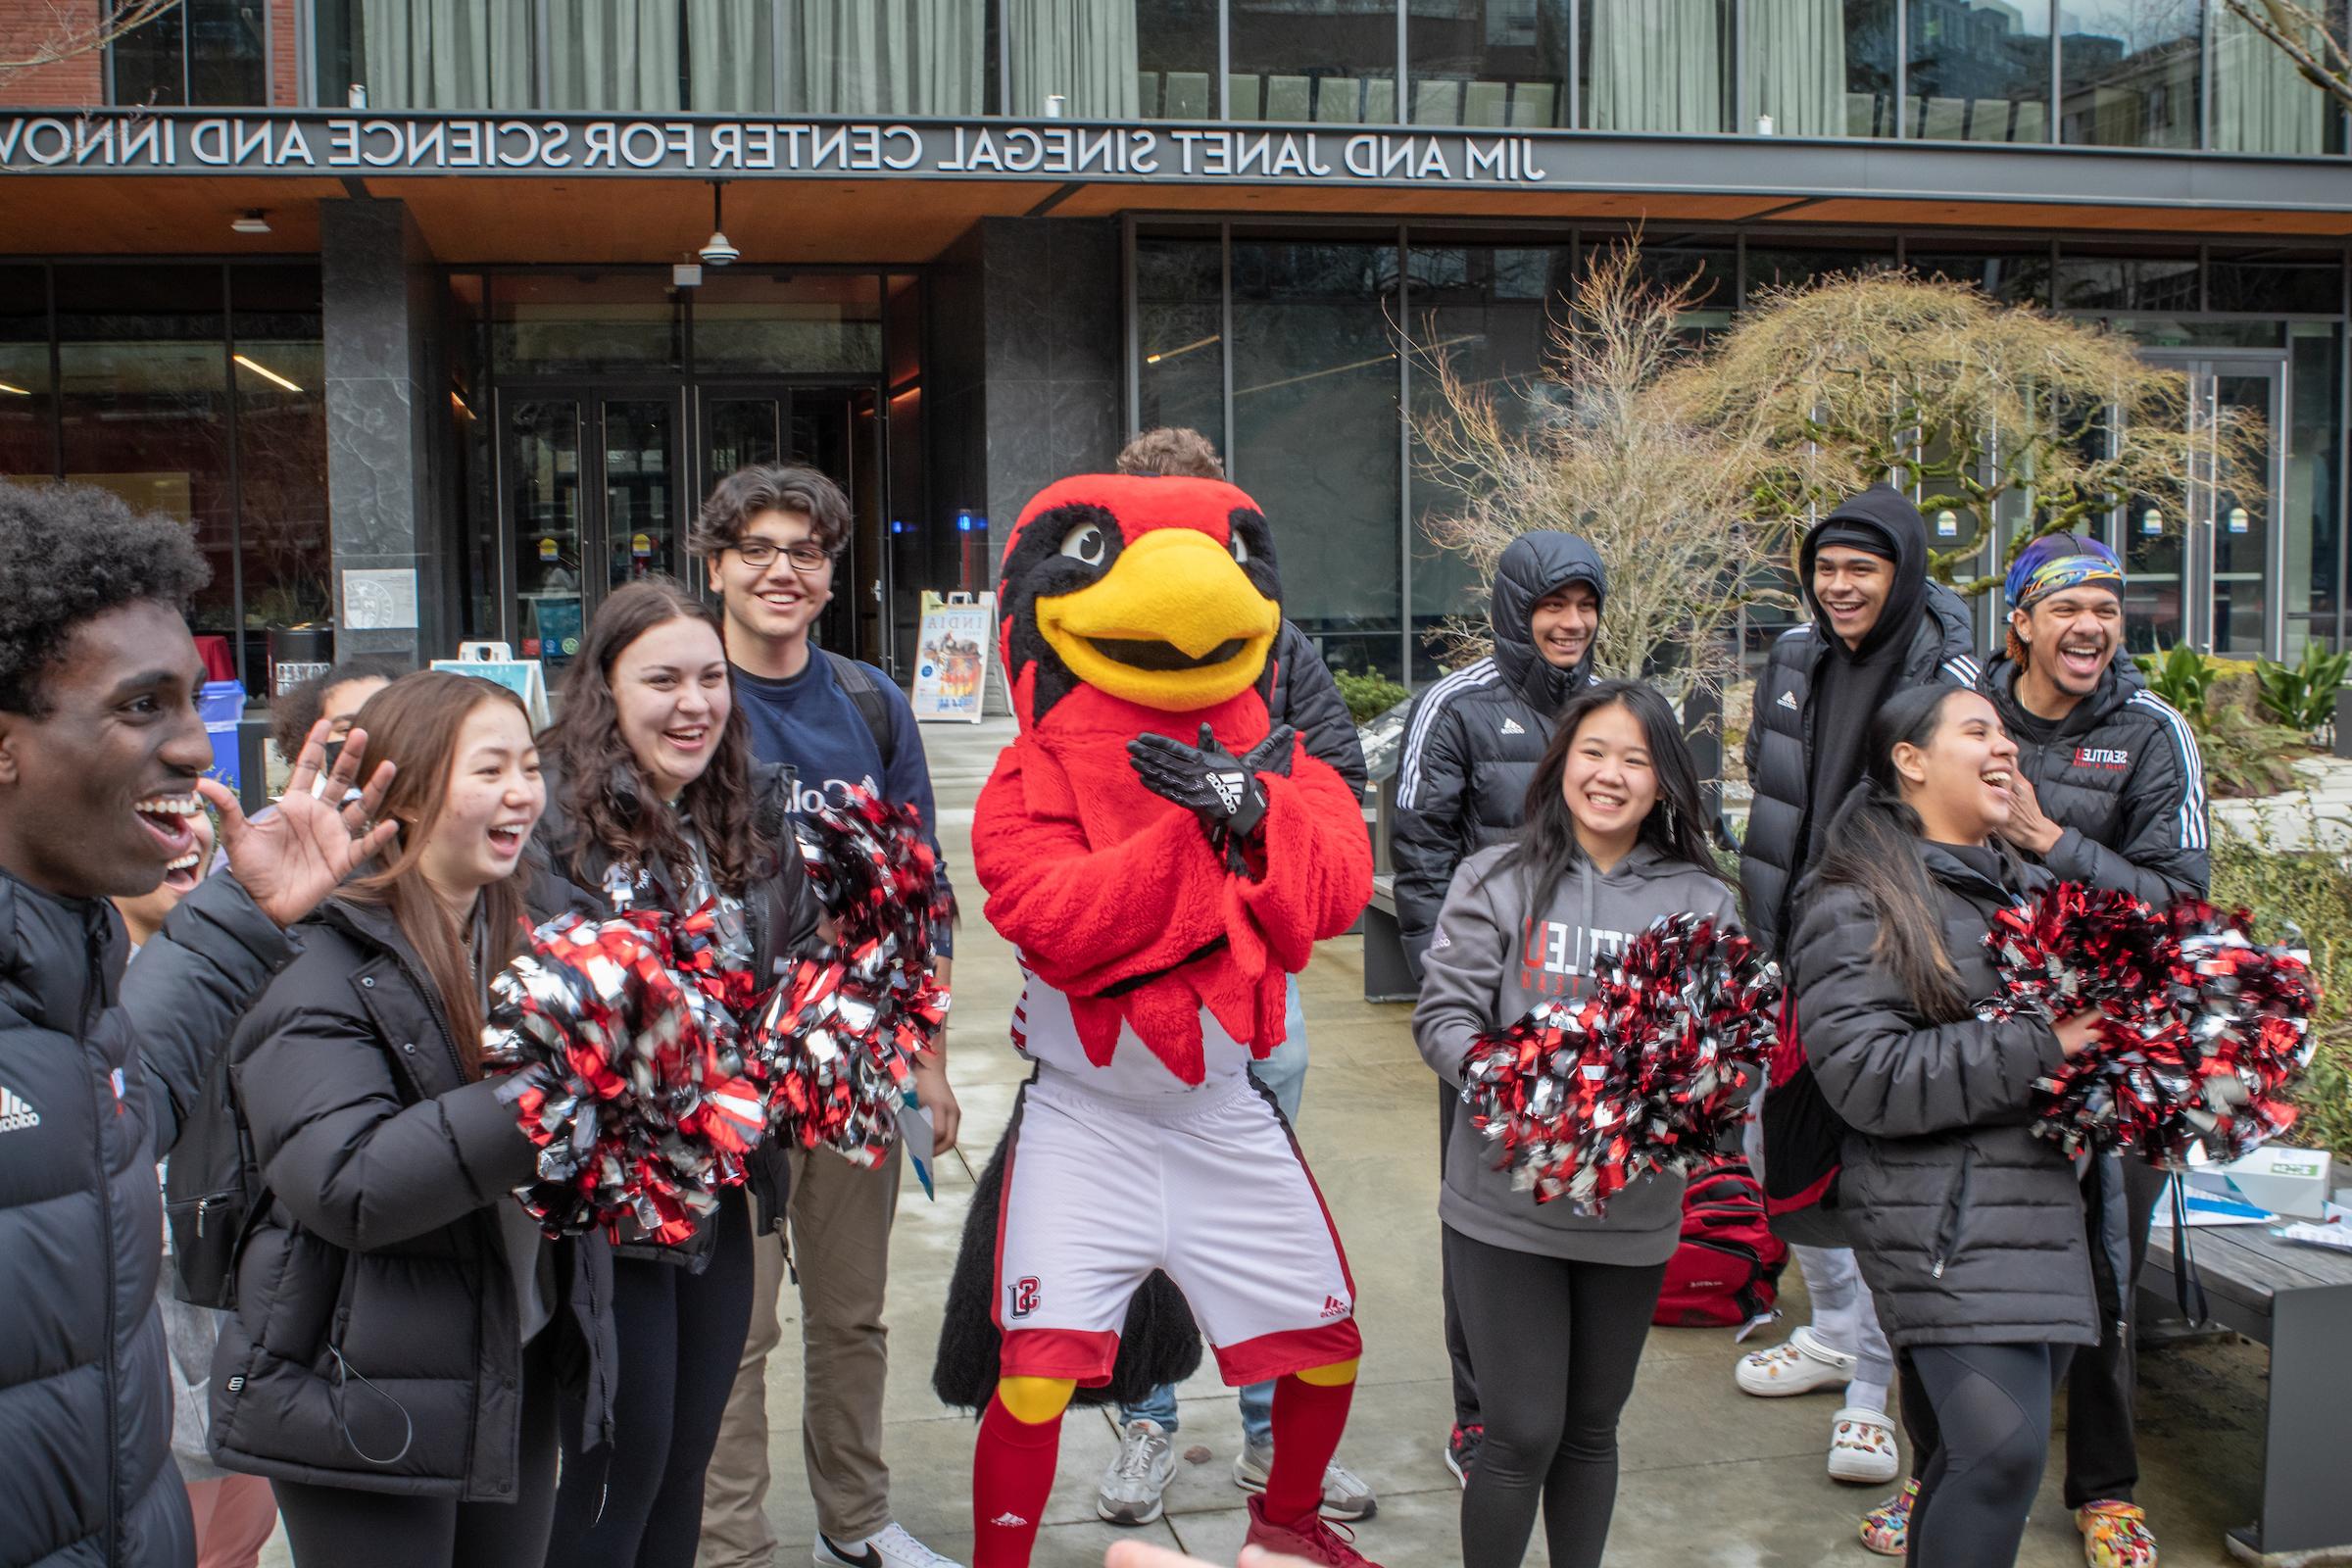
<point>769,538</point>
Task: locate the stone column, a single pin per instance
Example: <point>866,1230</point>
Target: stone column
<point>381,295</point>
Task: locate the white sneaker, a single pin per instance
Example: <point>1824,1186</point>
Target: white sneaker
<point>1862,1447</point>
<point>890,1548</point>
<point>1139,1474</point>
<point>1346,1497</point>
<point>1801,1365</point>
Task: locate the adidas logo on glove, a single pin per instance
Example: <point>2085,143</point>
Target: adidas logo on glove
<point>1229,790</point>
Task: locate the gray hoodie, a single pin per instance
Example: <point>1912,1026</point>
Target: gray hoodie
<point>1492,959</point>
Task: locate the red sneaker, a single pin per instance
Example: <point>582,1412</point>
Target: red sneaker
<point>1309,1538</point>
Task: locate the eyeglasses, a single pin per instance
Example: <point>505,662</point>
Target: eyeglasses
<point>758,554</point>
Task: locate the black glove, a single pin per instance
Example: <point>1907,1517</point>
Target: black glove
<point>1210,782</point>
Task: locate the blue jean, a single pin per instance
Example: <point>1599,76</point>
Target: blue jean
<point>1284,1074</point>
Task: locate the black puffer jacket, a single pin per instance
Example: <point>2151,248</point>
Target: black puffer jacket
<point>1473,739</point>
<point>2121,774</point>
<point>1778,749</point>
<point>1967,1226</point>
<point>781,912</point>
<point>378,1254</point>
<point>97,1070</point>
<point>1299,692</point>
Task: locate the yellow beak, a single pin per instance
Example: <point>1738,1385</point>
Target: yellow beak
<point>1175,624</point>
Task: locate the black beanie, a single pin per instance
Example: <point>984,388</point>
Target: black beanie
<point>1853,535</point>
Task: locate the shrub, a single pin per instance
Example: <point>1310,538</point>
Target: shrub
<point>2302,696</point>
<point>2225,701</point>
<point>1368,695</point>
<point>2304,895</point>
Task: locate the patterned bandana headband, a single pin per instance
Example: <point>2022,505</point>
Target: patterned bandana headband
<point>2060,562</point>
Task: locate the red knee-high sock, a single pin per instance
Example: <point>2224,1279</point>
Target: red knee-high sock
<point>1308,1419</point>
<point>1012,1475</point>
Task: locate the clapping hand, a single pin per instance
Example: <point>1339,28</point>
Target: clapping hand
<point>297,855</point>
<point>1219,788</point>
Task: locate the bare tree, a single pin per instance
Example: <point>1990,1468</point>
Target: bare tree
<point>1589,445</point>
<point>1987,409</point>
<point>76,30</point>
<point>2314,41</point>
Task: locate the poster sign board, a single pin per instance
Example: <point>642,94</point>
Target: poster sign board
<point>496,662</point>
<point>954,653</point>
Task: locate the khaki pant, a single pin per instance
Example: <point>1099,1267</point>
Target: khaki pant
<point>839,1215</point>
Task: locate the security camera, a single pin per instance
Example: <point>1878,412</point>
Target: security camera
<point>716,251</point>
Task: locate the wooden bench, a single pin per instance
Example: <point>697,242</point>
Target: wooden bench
<point>2296,1299</point>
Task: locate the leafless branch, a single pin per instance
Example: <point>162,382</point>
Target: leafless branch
<point>2306,38</point>
<point>73,30</point>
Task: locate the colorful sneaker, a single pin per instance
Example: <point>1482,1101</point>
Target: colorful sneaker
<point>1345,1495</point>
<point>1309,1538</point>
<point>1886,1529</point>
<point>1132,1487</point>
<point>2115,1534</point>
<point>1462,1451</point>
<point>1803,1364</point>
<point>1862,1448</point>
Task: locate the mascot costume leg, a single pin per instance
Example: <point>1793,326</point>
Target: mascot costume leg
<point>1162,861</point>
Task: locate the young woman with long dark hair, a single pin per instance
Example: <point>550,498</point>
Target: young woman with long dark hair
<point>1559,1295</point>
<point>655,804</point>
<point>393,1364</point>
<point>1967,1226</point>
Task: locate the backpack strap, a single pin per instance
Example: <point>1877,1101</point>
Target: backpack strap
<point>866,693</point>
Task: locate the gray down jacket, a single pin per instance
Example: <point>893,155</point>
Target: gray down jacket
<point>96,1069</point>
<point>1473,739</point>
<point>1967,1226</point>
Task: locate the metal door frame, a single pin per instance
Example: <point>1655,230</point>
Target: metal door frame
<point>2199,620</point>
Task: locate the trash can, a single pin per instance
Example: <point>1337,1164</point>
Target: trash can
<point>222,705</point>
<point>297,653</point>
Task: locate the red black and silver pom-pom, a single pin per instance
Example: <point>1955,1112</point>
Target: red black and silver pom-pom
<point>837,1043</point>
<point>627,1072</point>
<point>2201,1028</point>
<point>1637,1074</point>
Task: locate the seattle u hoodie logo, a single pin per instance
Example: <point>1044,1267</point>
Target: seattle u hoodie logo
<point>1554,953</point>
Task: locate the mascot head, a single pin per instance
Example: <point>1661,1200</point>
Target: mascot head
<point>1156,591</point>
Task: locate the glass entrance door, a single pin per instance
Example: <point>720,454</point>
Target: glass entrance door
<point>832,430</point>
<point>591,500</point>
<point>2220,569</point>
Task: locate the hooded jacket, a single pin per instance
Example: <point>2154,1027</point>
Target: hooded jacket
<point>1495,954</point>
<point>98,1068</point>
<point>1922,631</point>
<point>1968,1226</point>
<point>2121,776</point>
<point>1299,692</point>
<point>1473,739</point>
<point>376,1309</point>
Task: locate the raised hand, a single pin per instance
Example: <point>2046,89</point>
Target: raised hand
<point>1205,779</point>
<point>294,857</point>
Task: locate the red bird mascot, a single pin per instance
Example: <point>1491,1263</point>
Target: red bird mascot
<point>1161,861</point>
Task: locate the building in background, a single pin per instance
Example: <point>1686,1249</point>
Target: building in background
<point>401,302</point>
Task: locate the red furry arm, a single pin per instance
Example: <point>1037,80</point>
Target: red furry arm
<point>1318,861</point>
<point>1086,918</point>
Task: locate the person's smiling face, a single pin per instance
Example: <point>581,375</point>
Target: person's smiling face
<point>1563,623</point>
<point>98,791</point>
<point>1851,587</point>
<point>670,690</point>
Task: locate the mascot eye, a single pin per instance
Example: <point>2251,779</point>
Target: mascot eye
<point>1241,550</point>
<point>1085,543</point>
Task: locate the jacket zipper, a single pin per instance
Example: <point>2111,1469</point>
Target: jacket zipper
<point>106,1227</point>
<point>1947,1236</point>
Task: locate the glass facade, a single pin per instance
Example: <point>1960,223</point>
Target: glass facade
<point>1314,426</point>
<point>193,390</point>
<point>2150,73</point>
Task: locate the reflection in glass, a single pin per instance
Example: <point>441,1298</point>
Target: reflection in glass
<point>1176,62</point>
<point>225,56</point>
<point>2129,73</point>
<point>2315,456</point>
<point>549,513</point>
<point>1309,59</point>
<point>2016,275</point>
<point>1820,68</point>
<point>1979,70</point>
<point>1487,63</point>
<point>1775,267</point>
<point>28,403</point>
<point>1178,283</point>
<point>280,375</point>
<point>2298,282</point>
<point>2088,281</point>
<point>640,513</point>
<point>574,323</point>
<point>1083,50</point>
<point>1657,65</point>
<point>811,322</point>
<point>2261,103</point>
<point>150,62</point>
<point>426,54</point>
<point>1315,436</point>
<point>886,57</point>
<point>2241,521</point>
<point>144,404</point>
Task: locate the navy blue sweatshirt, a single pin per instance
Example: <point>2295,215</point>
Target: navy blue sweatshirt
<point>811,726</point>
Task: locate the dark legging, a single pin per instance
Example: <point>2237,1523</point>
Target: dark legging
<point>1458,1347</point>
<point>341,1527</point>
<point>638,1503</point>
<point>1979,1422</point>
<point>1571,1333</point>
